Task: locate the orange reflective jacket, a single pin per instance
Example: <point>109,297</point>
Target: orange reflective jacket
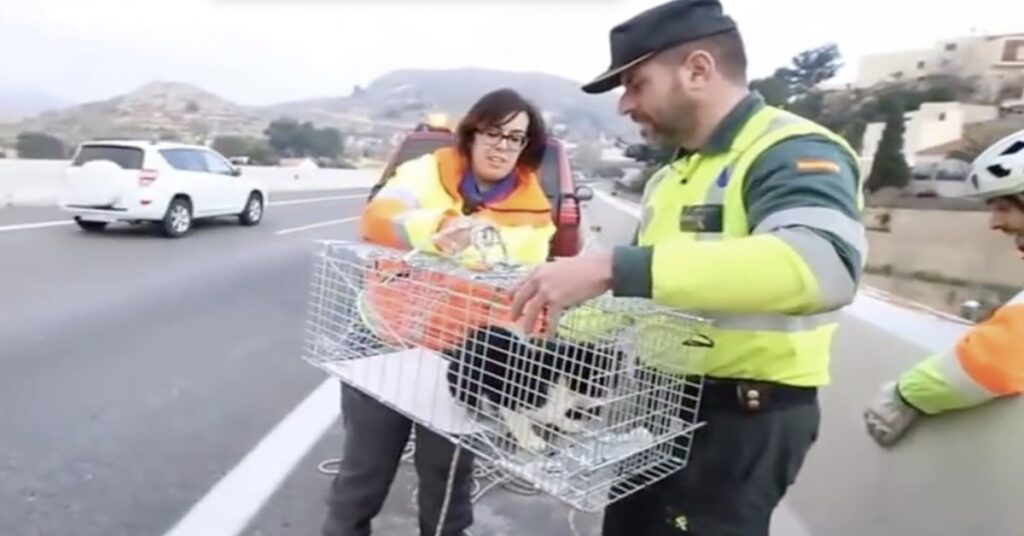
<point>407,305</point>
<point>986,363</point>
<point>424,192</point>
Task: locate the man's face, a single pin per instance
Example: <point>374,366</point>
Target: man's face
<point>1007,215</point>
<point>656,98</point>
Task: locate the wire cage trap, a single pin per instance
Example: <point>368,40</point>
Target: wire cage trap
<point>588,408</point>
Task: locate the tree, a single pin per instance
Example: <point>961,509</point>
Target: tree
<point>889,167</point>
<point>290,138</point>
<point>854,133</point>
<point>810,68</point>
<point>773,88</point>
<point>326,142</point>
<point>794,86</point>
<point>40,146</point>
<point>258,151</point>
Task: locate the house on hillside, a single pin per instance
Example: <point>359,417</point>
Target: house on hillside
<point>996,62</point>
<point>932,125</point>
<point>940,141</point>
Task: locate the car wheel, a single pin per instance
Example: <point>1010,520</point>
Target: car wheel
<point>178,218</point>
<point>91,226</point>
<point>253,212</point>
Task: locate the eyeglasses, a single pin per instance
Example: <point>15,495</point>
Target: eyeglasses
<point>493,136</point>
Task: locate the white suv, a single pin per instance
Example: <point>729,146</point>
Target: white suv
<point>170,183</point>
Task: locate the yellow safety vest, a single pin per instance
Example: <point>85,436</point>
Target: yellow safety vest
<point>790,349</point>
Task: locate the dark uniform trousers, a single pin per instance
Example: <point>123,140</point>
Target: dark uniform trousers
<point>375,437</point>
<point>740,465</point>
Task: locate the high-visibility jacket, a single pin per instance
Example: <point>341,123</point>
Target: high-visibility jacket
<point>408,305</point>
<point>783,335</point>
<point>424,192</point>
<point>986,363</point>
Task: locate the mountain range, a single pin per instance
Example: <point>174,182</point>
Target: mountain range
<point>395,101</point>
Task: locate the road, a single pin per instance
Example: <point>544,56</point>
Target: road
<point>143,379</point>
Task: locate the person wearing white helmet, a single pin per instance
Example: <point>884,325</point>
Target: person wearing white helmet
<point>987,362</point>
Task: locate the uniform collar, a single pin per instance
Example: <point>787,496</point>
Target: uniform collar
<point>722,136</point>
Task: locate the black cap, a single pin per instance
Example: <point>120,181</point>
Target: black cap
<point>657,29</point>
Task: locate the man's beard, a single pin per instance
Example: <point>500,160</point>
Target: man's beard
<point>671,125</point>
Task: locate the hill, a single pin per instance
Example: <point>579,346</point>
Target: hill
<point>172,109</point>
<point>397,100</point>
<point>405,96</point>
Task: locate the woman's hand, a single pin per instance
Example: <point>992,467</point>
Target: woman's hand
<point>455,235</point>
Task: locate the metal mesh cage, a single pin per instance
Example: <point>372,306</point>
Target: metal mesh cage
<point>596,405</point>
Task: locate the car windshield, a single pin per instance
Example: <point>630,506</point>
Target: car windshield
<point>126,157</point>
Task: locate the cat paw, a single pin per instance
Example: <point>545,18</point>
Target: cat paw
<point>569,426</point>
<point>533,443</point>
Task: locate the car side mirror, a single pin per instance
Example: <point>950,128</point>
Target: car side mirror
<point>584,193</point>
<point>236,172</point>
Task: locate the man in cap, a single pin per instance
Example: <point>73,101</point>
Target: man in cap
<point>756,224</point>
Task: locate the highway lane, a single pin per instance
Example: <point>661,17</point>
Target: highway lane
<point>136,370</point>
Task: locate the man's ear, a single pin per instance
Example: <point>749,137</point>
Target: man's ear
<point>700,66</point>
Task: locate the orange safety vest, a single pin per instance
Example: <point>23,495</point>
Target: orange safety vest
<point>986,363</point>
<point>407,305</point>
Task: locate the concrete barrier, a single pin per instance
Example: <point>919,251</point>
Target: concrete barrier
<point>953,475</point>
<point>37,182</point>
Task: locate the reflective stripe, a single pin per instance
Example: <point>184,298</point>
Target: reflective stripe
<point>397,193</point>
<point>773,322</point>
<point>835,285</point>
<point>948,366</point>
<point>826,219</point>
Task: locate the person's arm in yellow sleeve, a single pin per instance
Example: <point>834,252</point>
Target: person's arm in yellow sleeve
<point>396,217</point>
<point>986,363</point>
<point>804,253</point>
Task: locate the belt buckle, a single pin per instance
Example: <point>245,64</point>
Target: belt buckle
<point>750,396</point>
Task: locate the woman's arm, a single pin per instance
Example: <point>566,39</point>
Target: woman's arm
<point>398,216</point>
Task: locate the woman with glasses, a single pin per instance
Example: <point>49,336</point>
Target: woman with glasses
<point>429,204</point>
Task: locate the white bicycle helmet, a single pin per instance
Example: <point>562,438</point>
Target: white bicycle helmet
<point>999,170</point>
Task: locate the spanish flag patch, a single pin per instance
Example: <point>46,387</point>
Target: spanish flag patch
<point>815,165</point>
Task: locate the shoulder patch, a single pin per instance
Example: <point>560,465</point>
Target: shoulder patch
<point>816,165</point>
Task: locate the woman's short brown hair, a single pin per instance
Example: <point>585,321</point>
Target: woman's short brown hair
<point>495,109</point>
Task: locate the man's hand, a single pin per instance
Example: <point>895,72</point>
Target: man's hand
<point>888,417</point>
<point>454,235</point>
<point>561,284</point>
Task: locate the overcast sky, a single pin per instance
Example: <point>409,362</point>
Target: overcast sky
<point>263,51</point>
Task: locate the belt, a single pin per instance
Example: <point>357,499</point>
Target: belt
<point>753,396</point>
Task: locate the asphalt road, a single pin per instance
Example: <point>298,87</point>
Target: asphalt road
<point>137,371</point>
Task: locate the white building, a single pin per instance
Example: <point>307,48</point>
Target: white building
<point>932,125</point>
<point>996,61</point>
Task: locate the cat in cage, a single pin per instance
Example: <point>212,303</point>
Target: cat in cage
<point>544,382</point>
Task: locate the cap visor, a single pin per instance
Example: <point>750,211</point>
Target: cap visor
<point>612,78</point>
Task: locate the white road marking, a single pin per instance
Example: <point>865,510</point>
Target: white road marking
<point>37,225</point>
<point>315,200</point>
<point>315,225</point>
<point>236,498</point>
